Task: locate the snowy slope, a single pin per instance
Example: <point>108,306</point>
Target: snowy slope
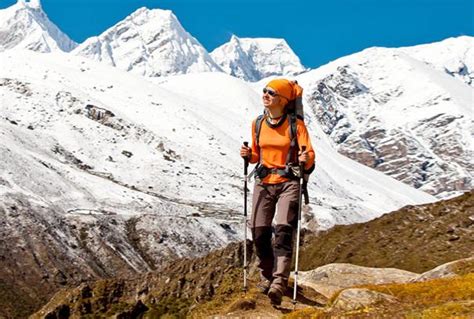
<point>342,191</point>
<point>252,59</point>
<point>455,56</point>
<point>394,112</point>
<point>26,25</point>
<point>183,135</point>
<point>80,192</point>
<point>150,43</point>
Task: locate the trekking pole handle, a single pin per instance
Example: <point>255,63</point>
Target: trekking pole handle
<point>246,159</point>
<point>303,149</point>
<point>246,144</point>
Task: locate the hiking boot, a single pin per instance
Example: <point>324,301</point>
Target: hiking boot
<point>264,285</point>
<point>275,296</point>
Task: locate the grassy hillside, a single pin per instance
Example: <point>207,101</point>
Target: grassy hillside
<point>414,238</point>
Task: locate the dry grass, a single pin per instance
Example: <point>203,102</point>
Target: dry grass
<point>446,296</point>
<point>307,313</point>
<point>437,298</point>
<point>229,292</point>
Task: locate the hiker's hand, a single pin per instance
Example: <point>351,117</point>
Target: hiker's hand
<point>245,152</point>
<point>303,157</point>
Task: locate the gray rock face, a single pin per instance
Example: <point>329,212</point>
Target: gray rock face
<point>333,277</point>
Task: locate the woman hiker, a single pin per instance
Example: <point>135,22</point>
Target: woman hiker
<point>276,190</point>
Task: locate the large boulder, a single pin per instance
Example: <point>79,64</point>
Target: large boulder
<point>331,278</point>
<point>451,269</point>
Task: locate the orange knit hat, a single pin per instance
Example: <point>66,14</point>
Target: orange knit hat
<point>288,89</point>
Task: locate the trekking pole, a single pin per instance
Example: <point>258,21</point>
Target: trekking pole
<point>246,165</point>
<point>295,287</point>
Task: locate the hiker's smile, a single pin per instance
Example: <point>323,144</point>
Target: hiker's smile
<point>269,100</point>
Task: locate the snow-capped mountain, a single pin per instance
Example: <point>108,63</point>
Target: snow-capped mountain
<point>404,112</point>
<point>26,25</point>
<point>151,43</point>
<point>252,59</point>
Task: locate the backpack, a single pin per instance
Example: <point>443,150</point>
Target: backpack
<point>294,111</point>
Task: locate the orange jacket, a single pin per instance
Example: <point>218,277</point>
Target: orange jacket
<point>275,145</point>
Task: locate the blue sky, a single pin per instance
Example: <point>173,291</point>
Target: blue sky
<point>318,31</point>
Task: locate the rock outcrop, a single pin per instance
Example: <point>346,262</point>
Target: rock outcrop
<point>329,279</point>
<point>451,269</point>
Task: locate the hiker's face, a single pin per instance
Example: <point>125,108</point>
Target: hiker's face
<point>270,98</point>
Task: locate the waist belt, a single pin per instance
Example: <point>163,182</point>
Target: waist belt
<point>291,172</point>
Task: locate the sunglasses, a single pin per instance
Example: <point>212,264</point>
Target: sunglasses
<point>270,92</point>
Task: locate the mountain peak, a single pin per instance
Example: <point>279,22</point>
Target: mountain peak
<point>33,4</point>
<point>255,58</point>
<point>234,38</point>
<point>159,14</point>
<point>26,25</point>
<point>149,42</point>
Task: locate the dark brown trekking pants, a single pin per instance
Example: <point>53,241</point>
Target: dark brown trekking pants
<point>268,199</point>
